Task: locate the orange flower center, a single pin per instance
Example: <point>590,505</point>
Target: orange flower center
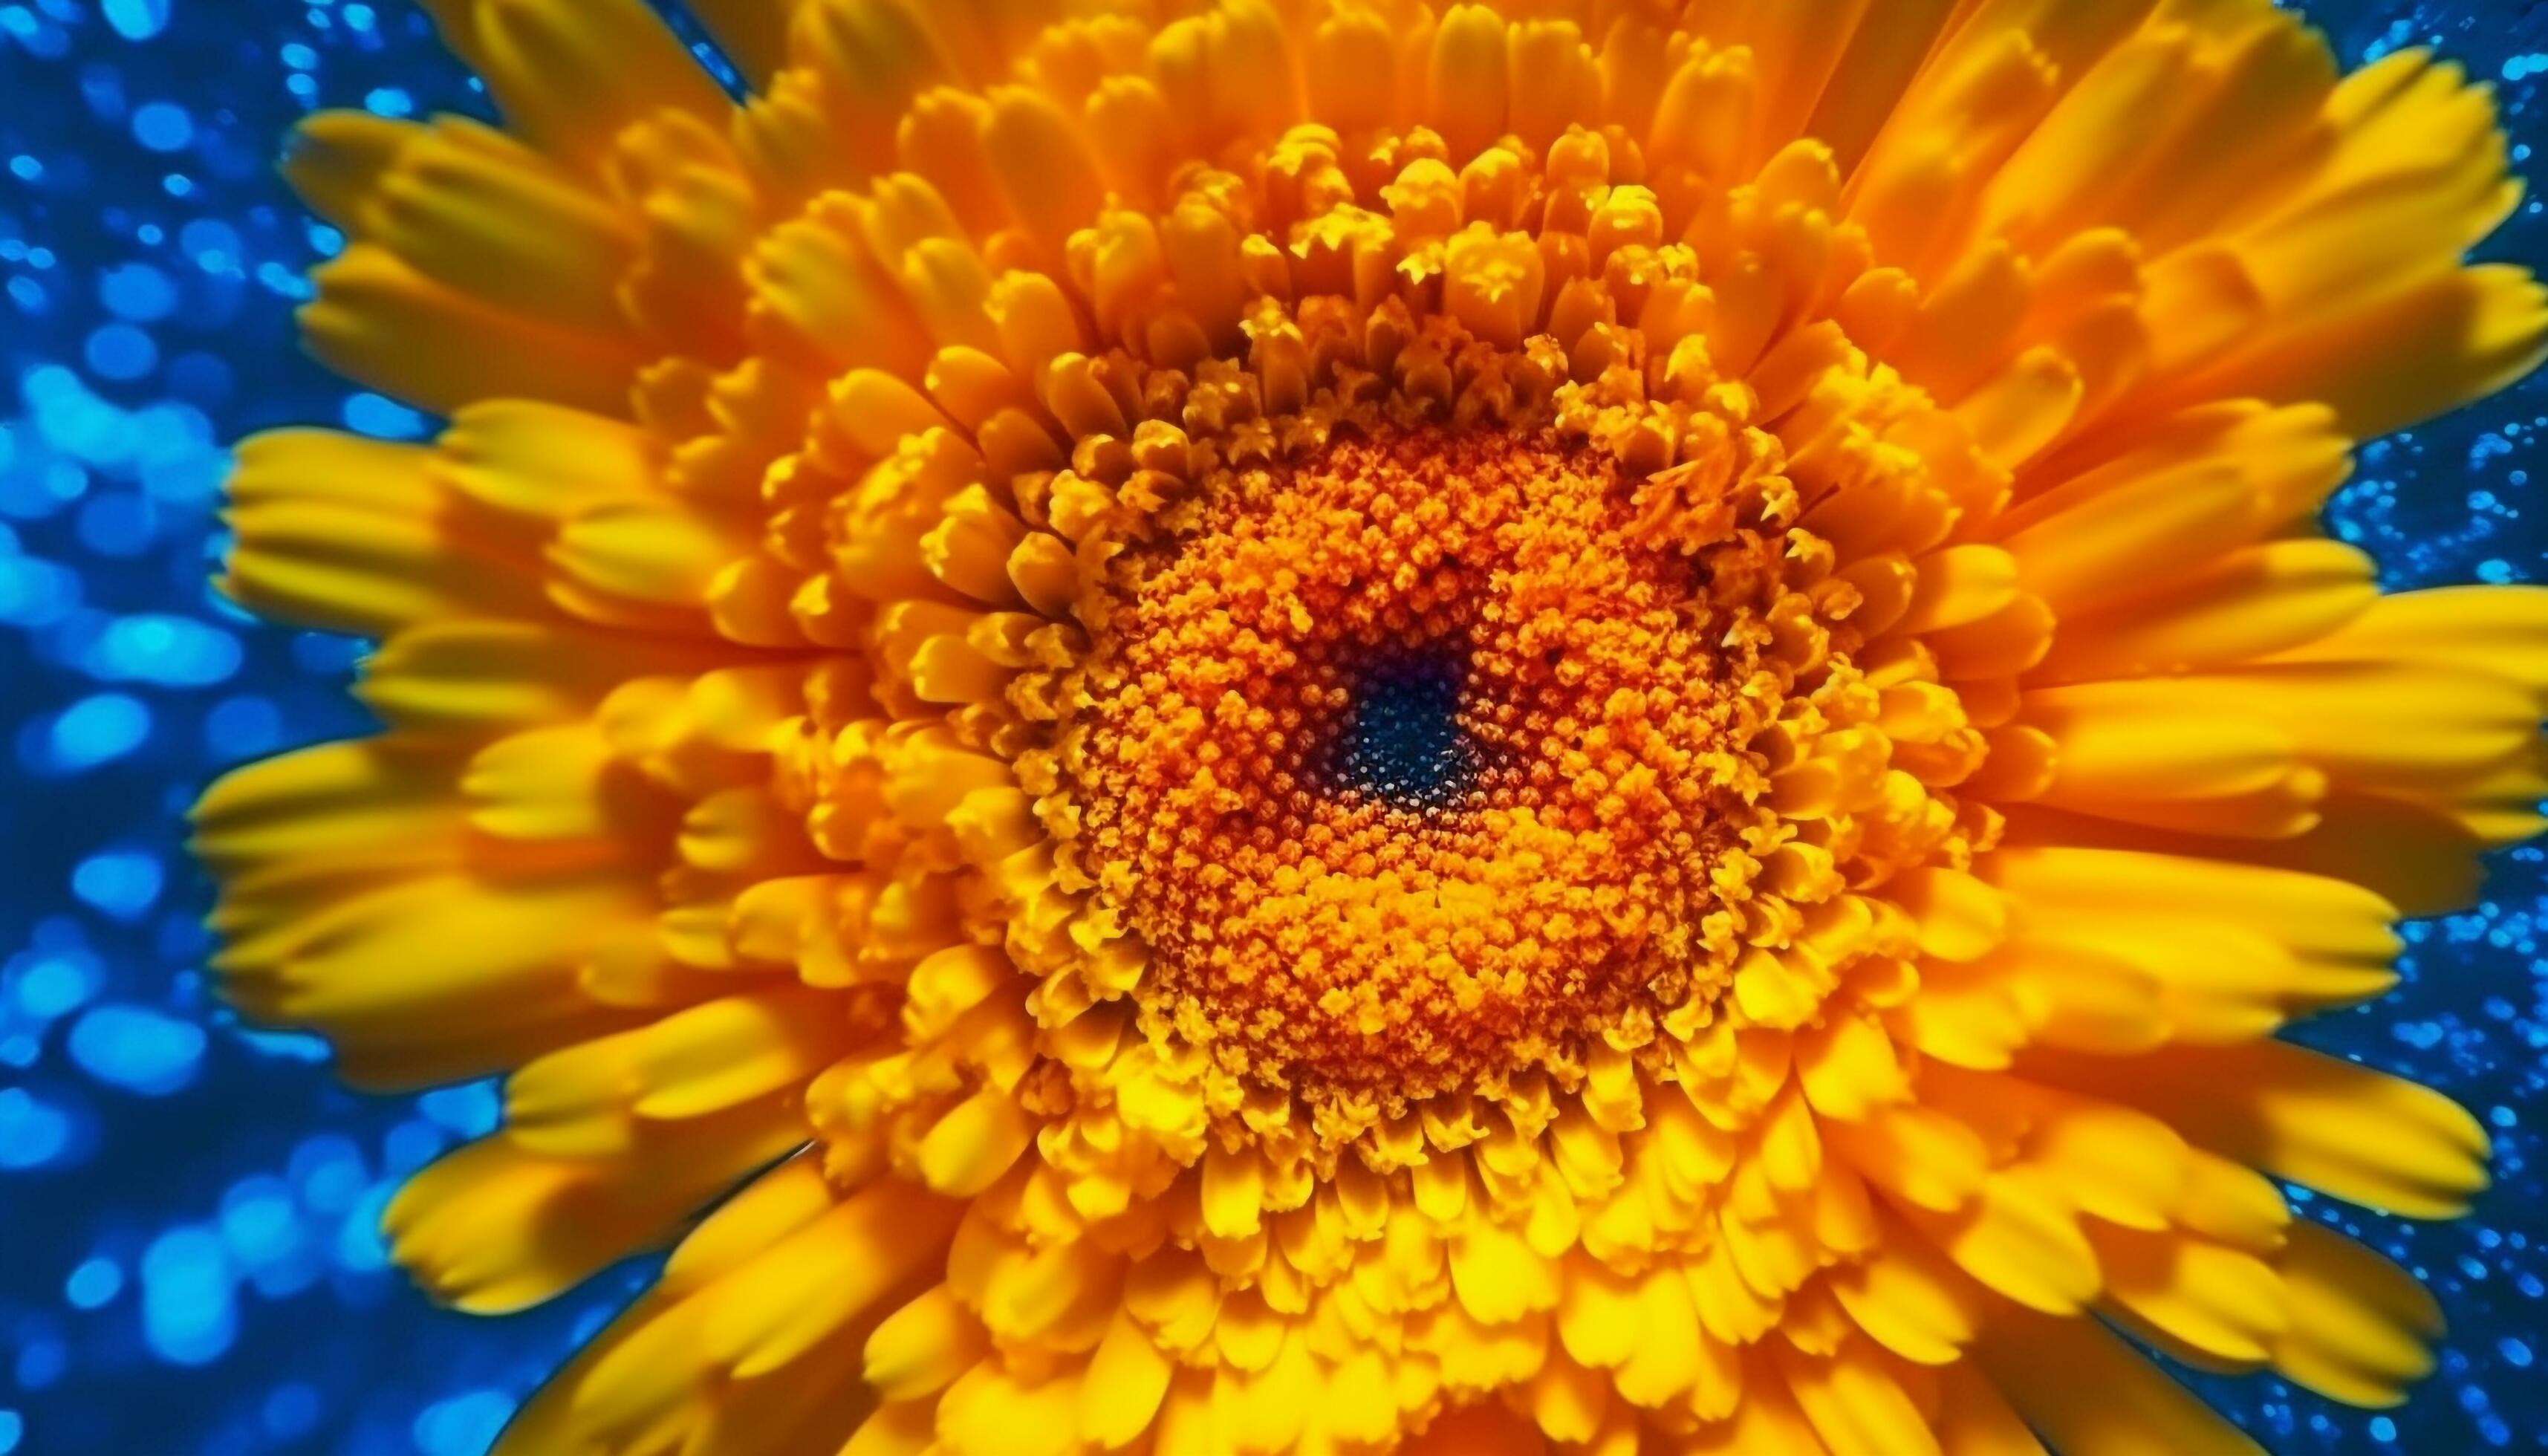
<point>1421,757</point>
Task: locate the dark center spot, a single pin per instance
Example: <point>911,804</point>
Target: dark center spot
<point>1402,743</point>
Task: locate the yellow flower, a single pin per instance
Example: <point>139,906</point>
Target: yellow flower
<point>1332,725</point>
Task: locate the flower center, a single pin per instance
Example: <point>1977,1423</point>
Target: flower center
<point>1421,759</point>
<point>1402,744</point>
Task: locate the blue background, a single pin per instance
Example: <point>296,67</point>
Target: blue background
<point>187,1256</point>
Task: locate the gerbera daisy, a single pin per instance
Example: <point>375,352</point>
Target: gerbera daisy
<point>1344,726</point>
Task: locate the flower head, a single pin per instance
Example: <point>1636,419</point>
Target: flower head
<point>1343,726</point>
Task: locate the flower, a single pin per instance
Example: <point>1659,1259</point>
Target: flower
<point>1333,726</point>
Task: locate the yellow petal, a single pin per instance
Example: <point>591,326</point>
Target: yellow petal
<point>1127,1380</point>
<point>2363,1136</point>
<point>494,1229</point>
<point>1595,1314</point>
<point>1959,917</point>
<point>545,784</point>
<point>1855,1404</point>
<point>923,1347</point>
<point>2090,1395</point>
<point>805,1287</point>
<point>1497,1276</point>
<point>2361,1328</point>
<point>481,212</point>
<point>570,75</point>
<point>1910,1300</point>
<point>1234,1191</point>
<point>975,1142</point>
<point>337,809</point>
<point>355,535</point>
<point>379,320</point>
<point>651,551</point>
<point>2263,600</point>
<point>1041,167</point>
<point>1848,1066</point>
<point>2500,631</point>
<point>1468,79</point>
<point>2219,1303</point>
<point>2022,1240</point>
<point>2116,746</point>
<point>1959,584</point>
<point>992,1412</point>
<point>2462,336</point>
<point>479,677</point>
<point>1976,1418</point>
<point>336,159</point>
<point>760,1213</point>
